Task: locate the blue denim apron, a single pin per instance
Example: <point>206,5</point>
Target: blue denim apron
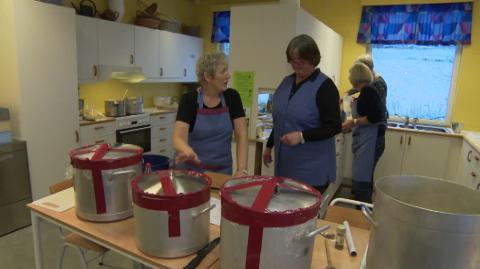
<point>211,138</point>
<point>364,139</point>
<point>313,162</point>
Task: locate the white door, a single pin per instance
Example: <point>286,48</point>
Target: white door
<point>87,48</point>
<point>426,155</point>
<point>146,51</point>
<point>390,162</point>
<point>115,43</point>
<point>170,52</point>
<point>48,109</point>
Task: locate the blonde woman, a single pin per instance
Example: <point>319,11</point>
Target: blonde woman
<point>206,120</point>
<point>368,131</point>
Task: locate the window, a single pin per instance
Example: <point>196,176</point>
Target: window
<point>419,78</point>
<point>224,47</point>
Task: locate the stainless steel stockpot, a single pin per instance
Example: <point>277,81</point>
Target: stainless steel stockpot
<point>268,222</point>
<point>134,105</point>
<point>115,108</point>
<point>103,173</point>
<point>171,212</point>
<point>421,222</point>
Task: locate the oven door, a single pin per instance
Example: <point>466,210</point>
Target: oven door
<point>139,135</point>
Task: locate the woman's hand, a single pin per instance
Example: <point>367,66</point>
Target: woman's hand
<point>267,156</point>
<point>291,139</point>
<point>187,155</point>
<point>240,173</point>
<point>347,126</point>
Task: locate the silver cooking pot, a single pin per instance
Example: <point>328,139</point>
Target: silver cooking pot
<point>115,108</point>
<point>268,222</point>
<point>421,222</point>
<point>134,105</point>
<point>103,173</point>
<point>171,212</point>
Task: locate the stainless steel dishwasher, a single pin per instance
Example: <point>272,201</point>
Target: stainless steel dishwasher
<point>14,187</point>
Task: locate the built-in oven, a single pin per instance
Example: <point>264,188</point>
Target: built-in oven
<point>136,130</point>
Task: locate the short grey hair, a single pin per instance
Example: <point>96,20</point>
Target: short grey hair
<point>366,59</point>
<point>208,64</point>
<point>360,73</point>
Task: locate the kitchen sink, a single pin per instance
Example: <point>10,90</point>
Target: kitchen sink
<point>419,127</point>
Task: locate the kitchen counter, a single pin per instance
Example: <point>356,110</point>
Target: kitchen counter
<point>472,138</point>
<point>99,121</point>
<point>400,129</point>
<point>156,111</point>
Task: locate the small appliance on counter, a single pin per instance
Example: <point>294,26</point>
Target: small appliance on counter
<point>5,128</point>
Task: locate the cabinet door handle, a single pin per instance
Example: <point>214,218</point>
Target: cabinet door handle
<point>478,186</point>
<point>161,118</point>
<point>6,157</point>
<point>162,140</point>
<point>98,128</point>
<point>163,129</point>
<point>473,174</point>
<point>161,71</point>
<point>132,59</point>
<point>476,158</point>
<point>409,140</point>
<point>401,139</point>
<point>100,141</point>
<point>469,155</point>
<point>162,150</point>
<point>77,136</point>
<point>95,70</point>
<point>184,72</point>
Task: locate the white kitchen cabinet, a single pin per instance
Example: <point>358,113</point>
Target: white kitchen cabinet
<point>42,94</point>
<point>192,50</point>
<point>115,43</point>
<point>161,135</point>
<point>147,51</point>
<point>170,55</point>
<point>87,52</point>
<point>257,45</point>
<point>98,133</point>
<point>418,153</point>
<point>469,167</point>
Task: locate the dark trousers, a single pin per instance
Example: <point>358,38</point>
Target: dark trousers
<point>363,191</point>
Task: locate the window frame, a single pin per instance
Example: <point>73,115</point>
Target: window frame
<point>452,92</point>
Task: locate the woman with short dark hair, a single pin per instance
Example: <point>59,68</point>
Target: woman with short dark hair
<point>306,117</point>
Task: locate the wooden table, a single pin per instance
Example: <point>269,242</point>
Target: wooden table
<point>119,237</point>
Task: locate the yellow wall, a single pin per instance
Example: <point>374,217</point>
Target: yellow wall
<point>9,85</point>
<point>344,17</point>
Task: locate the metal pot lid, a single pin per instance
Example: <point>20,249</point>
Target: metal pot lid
<point>269,201</point>
<point>164,190</point>
<point>172,182</point>
<point>106,156</point>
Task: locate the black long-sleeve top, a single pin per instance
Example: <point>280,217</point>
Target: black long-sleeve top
<point>327,100</point>
<point>369,104</point>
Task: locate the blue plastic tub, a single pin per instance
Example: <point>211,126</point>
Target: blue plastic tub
<point>157,162</point>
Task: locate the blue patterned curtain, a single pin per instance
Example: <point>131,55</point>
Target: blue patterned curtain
<point>431,24</point>
<point>221,27</point>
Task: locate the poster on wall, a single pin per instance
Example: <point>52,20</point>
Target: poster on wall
<point>243,82</point>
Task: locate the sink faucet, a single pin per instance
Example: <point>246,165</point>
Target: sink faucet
<point>407,120</point>
<point>415,122</point>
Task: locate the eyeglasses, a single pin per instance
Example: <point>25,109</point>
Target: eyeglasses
<point>298,62</point>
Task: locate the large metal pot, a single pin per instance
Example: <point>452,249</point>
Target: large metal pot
<point>268,222</point>
<point>115,108</point>
<point>103,173</point>
<point>171,212</point>
<point>421,222</point>
<point>134,105</point>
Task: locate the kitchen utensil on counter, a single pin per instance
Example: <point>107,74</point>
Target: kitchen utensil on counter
<point>457,127</point>
<point>103,173</point>
<point>349,238</point>
<point>268,222</point>
<point>202,253</point>
<point>171,214</point>
<point>86,8</point>
<point>422,222</point>
<point>117,6</point>
<point>124,94</point>
<point>115,108</point>
<point>134,105</point>
<point>109,15</point>
<point>329,256</point>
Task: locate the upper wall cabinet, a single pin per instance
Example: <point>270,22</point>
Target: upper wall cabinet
<point>116,45</point>
<point>147,52</point>
<point>192,50</point>
<point>171,55</point>
<point>87,51</point>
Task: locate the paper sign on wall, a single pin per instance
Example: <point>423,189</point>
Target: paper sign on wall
<point>243,82</point>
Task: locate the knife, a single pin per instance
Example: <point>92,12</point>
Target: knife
<point>202,253</point>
